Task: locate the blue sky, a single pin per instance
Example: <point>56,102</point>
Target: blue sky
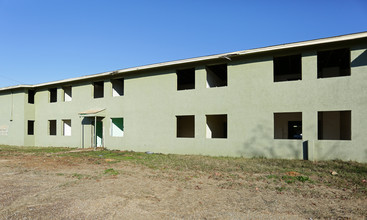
<point>48,40</point>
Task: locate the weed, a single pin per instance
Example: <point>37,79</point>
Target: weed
<point>78,176</point>
<point>111,171</point>
<point>289,179</point>
<point>272,176</point>
<point>280,188</point>
<point>293,179</point>
<point>302,178</point>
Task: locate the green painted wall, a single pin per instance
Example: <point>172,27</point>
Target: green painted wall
<point>151,103</point>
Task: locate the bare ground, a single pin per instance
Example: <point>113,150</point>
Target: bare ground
<point>51,187</point>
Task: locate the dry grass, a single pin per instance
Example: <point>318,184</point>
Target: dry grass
<point>218,187</point>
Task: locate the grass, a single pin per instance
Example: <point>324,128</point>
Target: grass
<point>350,174</point>
<point>111,171</point>
<point>33,150</point>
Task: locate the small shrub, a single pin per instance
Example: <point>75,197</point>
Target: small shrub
<point>111,171</point>
<point>289,179</point>
<point>303,178</point>
<point>293,179</point>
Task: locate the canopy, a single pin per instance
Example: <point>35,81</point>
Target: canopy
<point>93,113</point>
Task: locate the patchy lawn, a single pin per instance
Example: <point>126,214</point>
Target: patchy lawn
<point>44,183</point>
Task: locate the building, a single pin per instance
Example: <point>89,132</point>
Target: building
<point>299,100</point>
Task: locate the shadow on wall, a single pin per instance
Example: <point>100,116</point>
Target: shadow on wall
<point>336,151</point>
<point>361,60</point>
<point>262,144</point>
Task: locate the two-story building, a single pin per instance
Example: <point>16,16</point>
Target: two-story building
<point>298,100</point>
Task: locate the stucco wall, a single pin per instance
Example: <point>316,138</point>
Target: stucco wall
<point>151,103</point>
<point>12,117</point>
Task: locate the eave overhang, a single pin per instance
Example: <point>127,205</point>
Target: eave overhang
<point>227,56</point>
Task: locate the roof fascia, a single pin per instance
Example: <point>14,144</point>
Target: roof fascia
<point>203,58</point>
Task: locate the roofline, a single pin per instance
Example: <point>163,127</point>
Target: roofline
<point>339,38</point>
<point>16,87</point>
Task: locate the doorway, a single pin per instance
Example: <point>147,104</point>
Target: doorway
<point>99,133</point>
<point>92,132</point>
<point>294,129</point>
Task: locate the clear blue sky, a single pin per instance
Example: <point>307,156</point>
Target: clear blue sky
<point>48,40</point>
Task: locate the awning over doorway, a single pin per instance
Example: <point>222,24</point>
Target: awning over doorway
<point>93,113</point>
<point>93,118</point>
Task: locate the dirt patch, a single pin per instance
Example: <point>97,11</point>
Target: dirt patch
<point>49,187</point>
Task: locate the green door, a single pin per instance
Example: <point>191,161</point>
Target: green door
<point>99,133</point>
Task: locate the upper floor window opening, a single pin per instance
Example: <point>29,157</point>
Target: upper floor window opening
<point>117,87</point>
<point>333,63</point>
<point>31,94</point>
<point>53,94</point>
<point>67,93</point>
<point>287,68</point>
<point>185,79</point>
<point>98,89</point>
<point>216,75</point>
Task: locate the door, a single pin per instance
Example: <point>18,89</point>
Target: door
<point>294,129</point>
<point>99,133</point>
<point>92,132</point>
<point>87,132</point>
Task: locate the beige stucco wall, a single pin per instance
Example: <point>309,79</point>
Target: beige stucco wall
<point>151,103</point>
<point>12,117</point>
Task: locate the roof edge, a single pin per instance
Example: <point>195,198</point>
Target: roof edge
<point>346,37</point>
<point>16,87</point>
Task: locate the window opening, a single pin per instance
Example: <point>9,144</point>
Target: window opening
<point>52,127</point>
<point>31,94</point>
<point>216,126</point>
<point>287,68</point>
<point>98,89</point>
<point>117,87</point>
<point>288,125</point>
<point>53,95</point>
<point>333,63</point>
<point>334,125</point>
<point>185,126</point>
<point>67,93</point>
<point>216,76</point>
<point>185,79</point>
<point>66,127</point>
<point>30,127</point>
<point>117,127</point>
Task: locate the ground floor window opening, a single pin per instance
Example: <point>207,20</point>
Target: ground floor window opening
<point>216,126</point>
<point>117,127</point>
<point>334,125</point>
<point>288,125</point>
<point>185,126</point>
